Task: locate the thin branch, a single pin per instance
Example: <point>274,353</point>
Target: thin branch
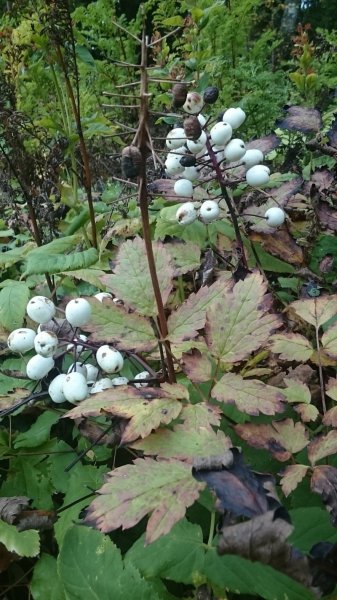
<point>164,37</point>
<point>126,31</point>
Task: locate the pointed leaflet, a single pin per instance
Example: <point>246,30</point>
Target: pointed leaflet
<point>185,444</point>
<point>280,438</point>
<point>163,489</point>
<point>331,388</point>
<point>184,323</point>
<point>13,302</point>
<point>291,346</point>
<point>23,543</point>
<point>330,417</point>
<point>322,446</point>
<point>307,412</point>
<point>315,311</point>
<point>250,396</point>
<point>185,256</point>
<point>131,280</point>
<point>127,331</point>
<point>146,408</point>
<point>291,477</point>
<point>197,366</point>
<point>329,341</point>
<point>324,482</point>
<point>296,391</point>
<point>56,263</point>
<point>200,415</point>
<point>239,323</point>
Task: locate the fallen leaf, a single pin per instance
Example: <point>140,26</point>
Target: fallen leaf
<point>296,391</point>
<point>300,118</point>
<point>324,483</point>
<point>280,244</point>
<point>331,388</point>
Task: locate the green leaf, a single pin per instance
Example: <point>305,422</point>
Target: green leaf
<point>167,225</point>
<point>29,476</point>
<point>45,572</point>
<point>131,280</point>
<point>9,258</point>
<point>38,433</point>
<point>271,263</point>
<point>89,275</point>
<point>176,21</point>
<point>85,559</point>
<point>296,391</point>
<point>58,245</point>
<point>312,524</point>
<point>13,302</point>
<point>57,263</point>
<point>23,543</point>
<point>178,555</point>
<point>127,331</point>
<point>239,322</point>
<point>162,489</point>
<point>329,341</point>
<point>250,396</point>
<point>84,55</point>
<point>185,256</point>
<point>291,346</point>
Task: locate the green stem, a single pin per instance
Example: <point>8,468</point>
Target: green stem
<point>211,529</point>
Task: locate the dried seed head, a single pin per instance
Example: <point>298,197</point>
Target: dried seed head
<point>211,94</point>
<point>192,128</point>
<point>179,93</point>
<point>131,161</point>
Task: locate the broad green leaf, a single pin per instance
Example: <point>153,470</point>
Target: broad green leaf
<point>89,275</point>
<point>178,555</point>
<point>13,302</point>
<point>185,256</point>
<point>29,476</point>
<point>296,391</point>
<point>9,258</point>
<point>311,524</point>
<point>184,323</point>
<point>271,263</point>
<point>322,446</point>
<point>176,21</point>
<point>133,586</point>
<point>239,322</point>
<point>131,280</point>
<point>280,438</point>
<point>250,396</point>
<point>45,572</point>
<point>38,433</point>
<point>291,346</point>
<point>329,341</point>
<point>185,444</point>
<point>89,565</point>
<point>127,331</point>
<point>200,415</point>
<point>23,543</point>
<point>315,311</point>
<point>58,245</point>
<point>167,225</point>
<point>291,477</point>
<point>163,489</point>
<point>58,263</point>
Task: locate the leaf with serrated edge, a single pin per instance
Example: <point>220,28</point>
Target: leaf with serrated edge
<point>185,256</point>
<point>13,302</point>
<point>163,489</point>
<point>329,341</point>
<point>239,323</point>
<point>250,396</point>
<point>113,324</point>
<point>307,412</point>
<point>331,388</point>
<point>296,391</point>
<point>292,476</point>
<point>197,366</point>
<point>322,446</point>
<point>185,444</point>
<point>184,323</point>
<point>315,311</point>
<point>280,438</point>
<point>56,263</point>
<point>200,415</point>
<point>23,543</point>
<point>131,280</point>
<point>324,483</point>
<point>291,346</point>
<point>330,417</point>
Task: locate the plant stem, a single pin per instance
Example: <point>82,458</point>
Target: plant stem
<point>211,529</point>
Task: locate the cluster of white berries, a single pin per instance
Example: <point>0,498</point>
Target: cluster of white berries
<point>188,154</point>
<point>82,378</point>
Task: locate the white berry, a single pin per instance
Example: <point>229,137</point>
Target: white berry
<point>102,296</point>
<point>202,120</point>
<point>46,343</point>
<point>275,216</point>
<point>186,213</point>
<point>39,366</point>
<point>193,103</point>
<point>75,388</point>
<point>78,367</point>
<point>209,211</point>
<point>196,146</point>
<point>173,165</point>
<point>257,175</point>
<point>92,372</point>
<point>190,173</point>
<point>55,389</point>
<point>109,359</point>
<point>234,116</point>
<point>119,381</point>
<point>40,309</point>
<point>21,340</point>
<point>101,384</point>
<point>175,138</point>
<point>142,375</point>
<point>184,188</point>
<point>78,312</point>
<point>221,133</point>
<point>79,348</point>
<point>234,150</point>
<point>252,157</point>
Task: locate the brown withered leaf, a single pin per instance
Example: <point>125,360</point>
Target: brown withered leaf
<point>291,346</point>
<point>322,446</point>
<point>300,118</point>
<point>303,373</point>
<point>323,179</point>
<point>280,244</point>
<point>330,417</point>
<point>11,507</point>
<point>250,396</point>
<point>197,366</point>
<point>266,143</point>
<point>327,216</point>
<point>237,488</point>
<point>11,399</point>
<point>93,432</point>
<point>307,412</point>
<point>291,477</point>
<point>36,519</point>
<point>263,539</point>
<point>206,273</point>
<point>324,483</point>
<point>280,438</point>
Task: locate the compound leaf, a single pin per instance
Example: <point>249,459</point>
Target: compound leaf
<point>329,341</point>
<point>250,396</point>
<point>163,489</point>
<point>322,446</point>
<point>280,438</point>
<point>291,346</point>
<point>185,256</point>
<point>315,311</point>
